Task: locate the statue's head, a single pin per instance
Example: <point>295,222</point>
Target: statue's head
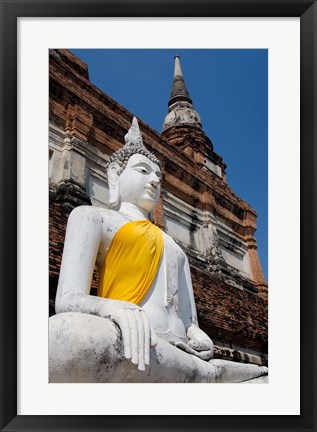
<point>134,173</point>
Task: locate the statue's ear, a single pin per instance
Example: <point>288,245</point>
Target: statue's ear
<point>113,180</point>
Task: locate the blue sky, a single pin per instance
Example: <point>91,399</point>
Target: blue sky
<point>229,89</point>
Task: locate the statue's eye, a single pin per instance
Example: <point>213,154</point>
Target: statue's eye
<point>143,170</point>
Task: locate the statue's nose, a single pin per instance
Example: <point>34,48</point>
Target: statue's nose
<point>155,181</point>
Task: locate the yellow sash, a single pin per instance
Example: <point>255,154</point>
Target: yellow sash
<point>131,262</point>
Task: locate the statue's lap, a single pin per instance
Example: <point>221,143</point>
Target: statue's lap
<point>88,348</point>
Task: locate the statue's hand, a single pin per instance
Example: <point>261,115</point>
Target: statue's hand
<point>136,331</point>
<point>204,354</point>
<point>199,344</point>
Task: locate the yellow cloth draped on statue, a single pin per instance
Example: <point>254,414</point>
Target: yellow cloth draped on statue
<point>131,262</point>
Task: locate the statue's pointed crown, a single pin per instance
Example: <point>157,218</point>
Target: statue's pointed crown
<point>134,137</point>
<point>133,145</point>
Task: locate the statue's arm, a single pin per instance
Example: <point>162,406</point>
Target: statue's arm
<point>83,239</point>
<point>82,242</point>
<point>199,342</point>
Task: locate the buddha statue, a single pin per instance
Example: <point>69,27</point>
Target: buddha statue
<point>144,314</point>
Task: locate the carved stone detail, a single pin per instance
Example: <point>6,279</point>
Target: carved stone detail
<point>214,263</point>
<point>69,194</point>
<point>215,258</point>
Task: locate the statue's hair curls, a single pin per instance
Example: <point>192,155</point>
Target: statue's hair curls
<point>133,145</point>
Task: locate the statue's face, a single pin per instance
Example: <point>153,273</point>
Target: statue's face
<point>140,182</point>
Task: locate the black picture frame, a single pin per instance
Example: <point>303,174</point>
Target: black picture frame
<point>10,11</point>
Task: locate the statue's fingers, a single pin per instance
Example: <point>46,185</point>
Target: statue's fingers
<point>205,355</point>
<point>203,345</point>
<point>139,320</point>
<point>194,344</point>
<point>147,332</point>
<point>183,346</point>
<point>134,336</point>
<point>124,325</point>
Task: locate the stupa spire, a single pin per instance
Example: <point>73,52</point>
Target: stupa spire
<point>179,90</point>
<point>181,110</point>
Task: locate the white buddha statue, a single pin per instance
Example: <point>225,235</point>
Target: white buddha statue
<point>145,284</point>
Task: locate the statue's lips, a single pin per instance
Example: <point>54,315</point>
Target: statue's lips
<point>151,191</point>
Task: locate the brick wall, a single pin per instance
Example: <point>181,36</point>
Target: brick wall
<point>228,314</point>
<point>57,227</point>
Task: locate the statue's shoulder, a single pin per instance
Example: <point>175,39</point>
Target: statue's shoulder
<point>109,215</point>
<point>100,215</point>
<point>111,218</point>
<point>85,212</point>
